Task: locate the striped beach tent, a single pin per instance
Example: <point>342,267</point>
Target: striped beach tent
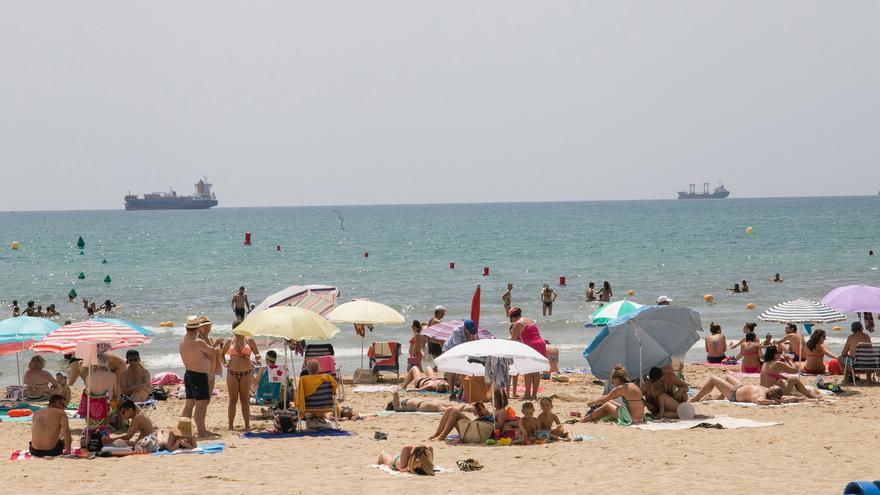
<point>115,333</point>
<point>802,311</point>
<point>318,298</point>
<point>442,330</point>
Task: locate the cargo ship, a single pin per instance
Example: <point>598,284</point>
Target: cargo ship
<point>201,200</point>
<point>718,193</point>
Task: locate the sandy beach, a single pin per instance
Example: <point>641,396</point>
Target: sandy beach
<point>816,448</point>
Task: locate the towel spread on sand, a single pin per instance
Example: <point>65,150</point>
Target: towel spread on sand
<point>386,469</point>
<point>374,388</point>
<point>724,422</point>
<point>208,448</point>
<point>751,404</point>
<point>25,455</point>
<point>308,433</point>
<point>389,413</point>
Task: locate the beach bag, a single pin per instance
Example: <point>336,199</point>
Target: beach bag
<point>473,431</point>
<point>365,376</point>
<point>91,439</point>
<point>286,421</point>
<point>158,393</point>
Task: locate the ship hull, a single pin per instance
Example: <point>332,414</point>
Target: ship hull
<point>718,195</point>
<point>168,204</point>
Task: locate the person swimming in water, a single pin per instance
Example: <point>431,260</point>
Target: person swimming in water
<point>776,279</point>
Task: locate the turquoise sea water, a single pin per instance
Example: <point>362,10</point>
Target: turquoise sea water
<point>165,265</point>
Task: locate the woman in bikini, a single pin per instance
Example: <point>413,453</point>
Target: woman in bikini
<point>39,384</point>
<point>424,382</point>
<point>716,345</point>
<point>239,374</point>
<point>416,346</point>
<point>451,417</point>
<point>772,370</point>
<point>630,409</point>
<point>605,293</point>
<point>416,460</point>
<point>750,354</point>
<point>815,353</point>
<point>424,405</point>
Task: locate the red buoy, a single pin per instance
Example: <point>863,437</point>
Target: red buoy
<point>366,254</point>
<point>277,247</point>
<point>485,271</point>
<point>247,238</point>
<point>562,280</point>
<point>452,265</point>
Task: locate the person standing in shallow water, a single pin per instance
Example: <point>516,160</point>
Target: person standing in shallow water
<point>240,304</point>
<point>548,297</point>
<point>505,298</point>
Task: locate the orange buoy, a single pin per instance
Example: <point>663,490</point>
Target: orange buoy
<point>485,271</point>
<point>562,280</point>
<point>247,238</point>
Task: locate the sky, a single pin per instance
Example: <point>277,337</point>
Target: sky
<point>319,103</point>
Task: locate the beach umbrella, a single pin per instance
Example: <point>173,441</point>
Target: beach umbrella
<point>64,339</point>
<point>441,331</point>
<point>460,359</point>
<point>318,298</point>
<point>649,337</point>
<point>475,306</point>
<point>854,299</point>
<point>19,333</point>
<point>364,312</point>
<point>613,311</point>
<point>801,311</point>
<point>129,324</point>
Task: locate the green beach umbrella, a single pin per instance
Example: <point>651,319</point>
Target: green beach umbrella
<point>612,311</point>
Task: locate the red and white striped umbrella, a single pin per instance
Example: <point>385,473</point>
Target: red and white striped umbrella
<point>64,339</point>
<point>442,330</point>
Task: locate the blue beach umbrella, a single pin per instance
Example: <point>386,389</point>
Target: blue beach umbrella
<point>134,326</point>
<point>16,334</point>
<point>649,337</point>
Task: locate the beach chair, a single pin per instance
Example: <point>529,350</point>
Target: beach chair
<point>316,395</point>
<point>326,358</point>
<point>147,406</point>
<point>865,358</point>
<point>862,488</point>
<point>269,389</point>
<point>385,356</point>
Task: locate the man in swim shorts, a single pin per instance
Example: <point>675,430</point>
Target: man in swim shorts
<point>50,435</point>
<point>198,357</point>
<point>240,304</point>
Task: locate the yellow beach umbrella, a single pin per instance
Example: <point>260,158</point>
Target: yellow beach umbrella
<point>366,313</point>
<point>287,322</point>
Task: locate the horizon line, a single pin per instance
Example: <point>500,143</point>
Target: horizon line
<point>447,203</point>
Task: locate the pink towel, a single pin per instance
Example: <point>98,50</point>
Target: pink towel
<point>166,378</point>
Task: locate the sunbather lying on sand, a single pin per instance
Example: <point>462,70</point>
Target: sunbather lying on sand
<point>424,382</point>
<point>735,391</point>
<point>412,404</point>
<point>416,460</point>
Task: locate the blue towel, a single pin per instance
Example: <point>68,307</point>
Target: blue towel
<point>208,448</point>
<point>309,433</point>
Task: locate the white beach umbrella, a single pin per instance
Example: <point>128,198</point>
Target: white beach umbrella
<point>365,312</point>
<point>525,359</point>
<point>802,311</point>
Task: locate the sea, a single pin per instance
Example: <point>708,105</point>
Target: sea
<point>165,265</point>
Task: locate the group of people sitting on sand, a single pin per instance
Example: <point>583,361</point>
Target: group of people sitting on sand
<point>790,354</point>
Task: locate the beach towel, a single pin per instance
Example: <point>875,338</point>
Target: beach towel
<point>387,469</point>
<point>208,448</point>
<point>576,371</point>
<point>166,378</point>
<point>307,433</point>
<point>719,422</point>
<point>389,413</point>
<point>751,404</point>
<point>368,389</point>
<point>498,371</point>
<point>25,455</point>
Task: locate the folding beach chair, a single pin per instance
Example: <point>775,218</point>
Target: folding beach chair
<point>325,356</point>
<point>316,395</point>
<point>385,356</point>
<point>865,358</point>
<point>269,388</point>
<point>147,406</point>
<point>862,488</point>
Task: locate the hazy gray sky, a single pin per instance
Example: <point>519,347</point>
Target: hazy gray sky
<point>289,103</point>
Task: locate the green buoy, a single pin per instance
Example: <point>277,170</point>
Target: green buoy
<point>81,252</point>
<point>104,262</point>
<point>80,243</point>
<point>72,294</point>
<point>81,275</point>
<point>107,279</point>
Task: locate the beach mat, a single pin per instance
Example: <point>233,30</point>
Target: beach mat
<point>25,455</point>
<point>388,470</point>
<point>208,448</point>
<point>719,422</point>
<point>307,433</point>
<point>374,388</point>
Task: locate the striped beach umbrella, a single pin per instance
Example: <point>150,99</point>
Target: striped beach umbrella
<point>64,339</point>
<point>802,311</point>
<point>19,333</point>
<point>442,330</point>
<point>318,298</point>
<point>613,311</point>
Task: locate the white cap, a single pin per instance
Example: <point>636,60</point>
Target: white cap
<point>663,299</point>
<point>439,308</point>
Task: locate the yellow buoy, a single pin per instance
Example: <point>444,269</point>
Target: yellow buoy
<point>836,328</point>
<point>750,306</point>
<point>630,292</point>
<point>166,324</point>
<point>709,298</point>
<point>14,245</point>
<point>748,230</point>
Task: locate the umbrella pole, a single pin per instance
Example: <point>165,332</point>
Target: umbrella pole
<point>363,339</point>
<point>18,369</point>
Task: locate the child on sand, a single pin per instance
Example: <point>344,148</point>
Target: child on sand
<point>528,425</point>
<point>547,419</point>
